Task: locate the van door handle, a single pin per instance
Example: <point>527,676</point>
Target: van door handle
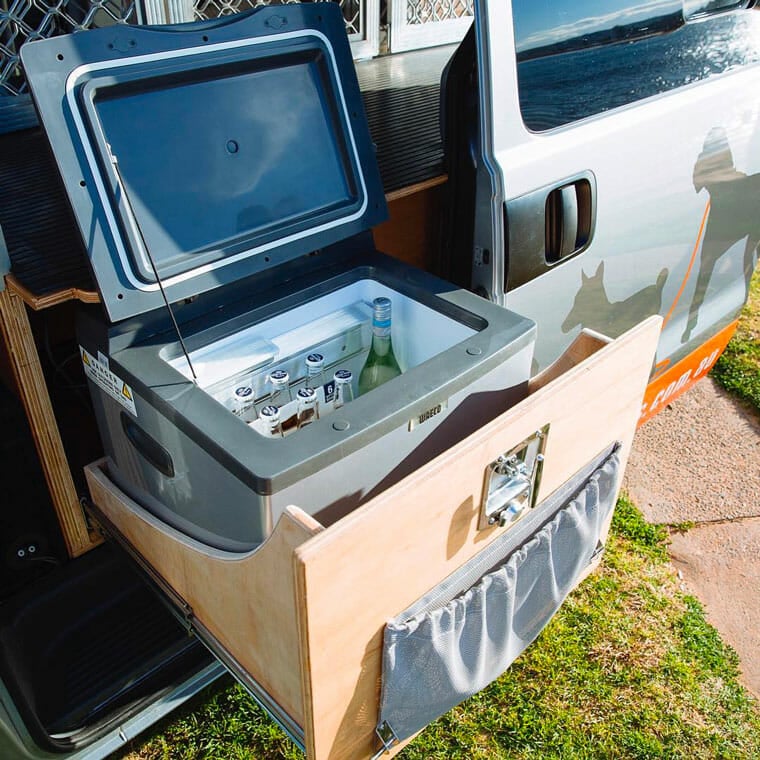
<point>549,226</point>
<point>568,220</point>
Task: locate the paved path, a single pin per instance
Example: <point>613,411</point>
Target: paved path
<point>698,462</point>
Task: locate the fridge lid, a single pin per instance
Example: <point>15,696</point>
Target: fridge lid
<point>202,153</point>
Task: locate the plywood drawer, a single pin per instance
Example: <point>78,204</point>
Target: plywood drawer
<point>301,619</point>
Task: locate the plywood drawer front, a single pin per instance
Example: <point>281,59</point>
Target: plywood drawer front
<point>374,563</point>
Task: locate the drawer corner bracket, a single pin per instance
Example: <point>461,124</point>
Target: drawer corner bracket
<point>388,739</point>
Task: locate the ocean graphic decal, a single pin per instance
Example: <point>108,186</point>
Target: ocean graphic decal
<point>593,308</point>
<point>734,215</point>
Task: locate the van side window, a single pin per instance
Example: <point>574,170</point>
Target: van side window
<point>577,58</point>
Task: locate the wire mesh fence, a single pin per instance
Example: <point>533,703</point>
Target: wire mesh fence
<point>431,11</point>
<point>26,20</point>
<point>206,9</point>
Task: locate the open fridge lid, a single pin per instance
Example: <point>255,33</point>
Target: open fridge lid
<point>201,153</point>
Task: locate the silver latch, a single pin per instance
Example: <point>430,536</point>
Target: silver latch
<point>511,482</point>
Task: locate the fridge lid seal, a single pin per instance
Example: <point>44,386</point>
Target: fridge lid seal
<point>207,152</point>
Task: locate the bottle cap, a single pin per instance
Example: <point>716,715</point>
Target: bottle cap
<point>315,361</point>
<point>279,377</point>
<point>270,414</point>
<point>381,313</point>
<point>307,395</point>
<point>343,376</point>
<point>243,392</point>
<point>381,302</point>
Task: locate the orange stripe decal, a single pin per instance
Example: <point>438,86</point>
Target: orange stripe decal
<point>659,368</point>
<point>680,377</point>
<point>691,264</point>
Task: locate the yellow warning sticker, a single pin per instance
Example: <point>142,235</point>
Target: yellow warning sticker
<point>107,381</point>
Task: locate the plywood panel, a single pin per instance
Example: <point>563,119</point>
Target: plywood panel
<point>31,387</point>
<point>246,602</point>
<point>375,562</point>
<point>39,302</point>
<point>412,230</point>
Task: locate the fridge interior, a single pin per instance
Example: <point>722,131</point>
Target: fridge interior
<point>337,325</point>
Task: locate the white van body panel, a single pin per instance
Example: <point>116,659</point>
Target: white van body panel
<point>644,157</point>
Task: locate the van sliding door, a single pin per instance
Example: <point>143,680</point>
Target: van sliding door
<point>621,153</point>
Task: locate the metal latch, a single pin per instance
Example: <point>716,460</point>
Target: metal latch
<point>511,482</point>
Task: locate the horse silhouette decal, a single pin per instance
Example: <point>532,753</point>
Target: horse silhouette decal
<point>734,215</point>
<point>593,308</point>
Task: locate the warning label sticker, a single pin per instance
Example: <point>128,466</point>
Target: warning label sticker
<point>114,386</point>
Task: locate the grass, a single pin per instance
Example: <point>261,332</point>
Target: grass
<point>629,668</point>
<point>738,370</point>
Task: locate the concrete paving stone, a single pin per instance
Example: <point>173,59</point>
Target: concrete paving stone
<point>720,566</point>
<point>698,461</point>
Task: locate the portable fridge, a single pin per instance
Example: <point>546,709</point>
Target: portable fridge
<point>225,189</point>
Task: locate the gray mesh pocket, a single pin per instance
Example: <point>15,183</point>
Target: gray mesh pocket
<point>464,633</point>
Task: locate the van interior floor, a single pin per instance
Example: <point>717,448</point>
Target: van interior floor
<point>83,643</point>
<point>401,96</point>
<point>26,515</point>
<point>89,644</point>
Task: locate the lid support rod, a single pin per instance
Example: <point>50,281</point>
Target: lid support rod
<point>136,225</point>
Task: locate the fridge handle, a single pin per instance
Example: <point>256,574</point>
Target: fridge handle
<point>150,449</point>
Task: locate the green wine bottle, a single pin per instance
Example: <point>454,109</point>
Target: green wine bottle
<point>381,364</point>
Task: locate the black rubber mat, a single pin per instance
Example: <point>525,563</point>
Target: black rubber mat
<point>405,128</point>
<point>44,244</point>
<point>16,113</point>
<point>401,95</point>
<point>89,639</point>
